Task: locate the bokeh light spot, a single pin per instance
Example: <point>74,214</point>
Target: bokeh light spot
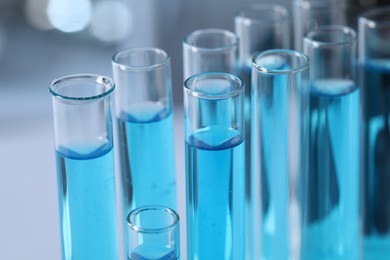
<point>69,15</point>
<point>111,21</point>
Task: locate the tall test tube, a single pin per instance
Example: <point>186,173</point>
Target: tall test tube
<point>259,27</point>
<point>215,166</point>
<point>144,129</point>
<point>330,228</point>
<point>374,64</point>
<point>280,100</point>
<point>85,166</point>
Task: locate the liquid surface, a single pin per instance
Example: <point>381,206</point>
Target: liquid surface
<point>87,203</point>
<point>145,252</point>
<point>215,196</point>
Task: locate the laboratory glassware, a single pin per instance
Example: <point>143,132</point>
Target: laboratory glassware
<point>309,14</point>
<point>210,50</point>
<point>154,233</point>
<point>144,128</point>
<point>85,166</point>
<point>215,166</point>
<point>259,27</point>
<point>374,68</point>
<point>330,206</point>
<point>279,115</point>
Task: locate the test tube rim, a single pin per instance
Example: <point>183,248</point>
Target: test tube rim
<point>318,4</point>
<point>224,32</point>
<point>126,67</point>
<point>366,18</point>
<point>137,228</point>
<point>241,13</point>
<point>347,31</point>
<point>297,69</point>
<point>98,79</point>
<point>240,89</point>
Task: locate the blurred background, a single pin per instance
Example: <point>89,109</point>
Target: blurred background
<point>43,39</point>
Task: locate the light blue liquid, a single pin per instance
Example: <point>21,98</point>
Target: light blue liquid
<point>144,252</point>
<point>376,134</point>
<point>87,203</point>
<point>331,203</point>
<point>270,129</point>
<point>215,168</point>
<point>147,157</point>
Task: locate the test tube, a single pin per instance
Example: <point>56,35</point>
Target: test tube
<point>144,128</point>
<point>154,234</point>
<point>215,166</point>
<point>374,64</point>
<point>279,115</point>
<point>259,27</point>
<point>85,166</point>
<point>309,14</point>
<point>331,190</point>
<point>210,50</point>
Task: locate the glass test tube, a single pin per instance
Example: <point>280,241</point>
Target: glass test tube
<point>85,166</point>
<point>215,166</point>
<point>280,100</point>
<point>374,64</point>
<point>259,27</point>
<point>309,14</point>
<point>210,50</point>
<point>154,234</point>
<point>330,209</point>
<point>144,129</point>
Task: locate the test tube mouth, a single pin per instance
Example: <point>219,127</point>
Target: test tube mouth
<point>212,40</point>
<point>378,17</point>
<point>168,212</point>
<point>262,14</point>
<point>331,36</point>
<point>214,85</point>
<point>280,61</point>
<point>81,87</point>
<point>140,59</point>
<point>319,4</point>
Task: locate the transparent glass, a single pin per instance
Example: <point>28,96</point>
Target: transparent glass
<point>153,234</point>
<point>210,50</point>
<point>279,116</point>
<point>215,166</point>
<point>309,14</point>
<point>259,27</point>
<point>374,64</point>
<point>144,128</point>
<point>331,191</point>
<point>85,166</point>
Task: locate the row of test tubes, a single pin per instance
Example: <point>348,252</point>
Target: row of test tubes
<point>286,151</point>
